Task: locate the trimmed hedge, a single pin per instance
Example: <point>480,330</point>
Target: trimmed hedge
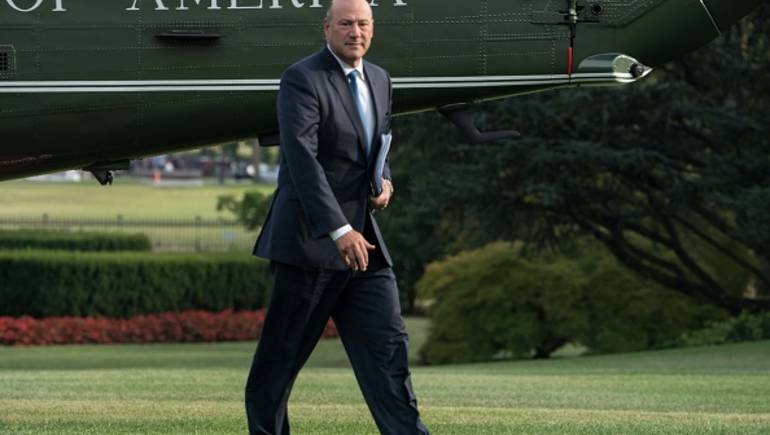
<point>58,283</point>
<point>73,241</point>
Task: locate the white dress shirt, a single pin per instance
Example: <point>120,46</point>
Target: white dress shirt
<point>365,97</point>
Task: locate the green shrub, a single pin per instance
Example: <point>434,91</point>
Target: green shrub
<point>73,241</point>
<point>56,283</point>
<point>628,313</point>
<point>745,327</point>
<point>494,303</point>
<point>490,303</point>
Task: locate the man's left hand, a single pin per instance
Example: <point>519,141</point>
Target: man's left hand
<point>382,201</point>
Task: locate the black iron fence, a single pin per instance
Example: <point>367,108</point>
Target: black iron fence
<point>181,235</point>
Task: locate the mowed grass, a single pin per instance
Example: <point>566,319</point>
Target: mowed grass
<point>66,204</point>
<point>128,198</point>
<point>195,388</point>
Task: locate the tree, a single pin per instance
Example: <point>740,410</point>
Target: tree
<point>251,210</point>
<point>415,231</point>
<point>672,175</point>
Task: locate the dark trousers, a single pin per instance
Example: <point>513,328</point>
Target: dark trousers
<point>367,313</point>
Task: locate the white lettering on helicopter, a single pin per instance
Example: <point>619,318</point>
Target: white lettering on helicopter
<point>239,4</point>
<point>184,5</point>
<point>395,3</point>
<point>58,6</point>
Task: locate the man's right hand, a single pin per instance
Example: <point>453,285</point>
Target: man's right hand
<point>354,250</point>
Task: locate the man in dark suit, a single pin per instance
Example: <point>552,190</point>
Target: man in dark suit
<point>327,254</point>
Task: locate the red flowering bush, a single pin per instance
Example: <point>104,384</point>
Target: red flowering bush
<point>187,326</point>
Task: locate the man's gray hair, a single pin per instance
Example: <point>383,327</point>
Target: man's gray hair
<point>329,9</point>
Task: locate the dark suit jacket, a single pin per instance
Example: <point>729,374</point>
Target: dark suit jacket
<point>324,178</point>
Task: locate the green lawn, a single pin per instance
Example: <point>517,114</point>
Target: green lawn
<point>198,389</point>
<point>129,198</point>
<point>65,204</point>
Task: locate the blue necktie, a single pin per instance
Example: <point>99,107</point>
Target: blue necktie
<point>353,82</point>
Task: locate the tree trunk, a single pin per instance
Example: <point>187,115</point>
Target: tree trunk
<point>763,289</point>
<point>256,158</point>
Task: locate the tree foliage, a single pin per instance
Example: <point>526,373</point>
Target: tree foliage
<point>251,210</point>
<point>671,174</point>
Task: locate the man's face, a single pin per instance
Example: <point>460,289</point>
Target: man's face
<point>349,29</point>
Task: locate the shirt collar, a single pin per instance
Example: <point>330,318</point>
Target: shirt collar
<point>345,67</point>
